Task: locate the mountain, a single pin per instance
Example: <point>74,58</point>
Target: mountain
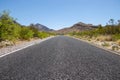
<point>77,28</point>
<point>41,27</point>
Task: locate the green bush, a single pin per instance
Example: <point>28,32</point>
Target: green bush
<point>9,30</point>
<point>35,30</point>
<point>42,35</point>
<point>26,33</point>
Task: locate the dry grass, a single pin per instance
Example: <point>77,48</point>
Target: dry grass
<point>104,38</point>
<point>118,42</point>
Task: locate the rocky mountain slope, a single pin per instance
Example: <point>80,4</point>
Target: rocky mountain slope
<point>41,27</point>
<point>77,27</point>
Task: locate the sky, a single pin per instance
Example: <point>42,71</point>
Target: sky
<point>57,14</point>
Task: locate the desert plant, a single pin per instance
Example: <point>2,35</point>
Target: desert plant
<point>105,44</point>
<point>26,33</point>
<point>115,47</point>
<point>116,37</point>
<point>9,30</point>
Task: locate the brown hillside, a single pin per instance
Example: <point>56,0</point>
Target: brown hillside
<point>77,28</point>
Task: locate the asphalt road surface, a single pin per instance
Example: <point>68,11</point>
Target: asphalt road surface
<point>60,58</point>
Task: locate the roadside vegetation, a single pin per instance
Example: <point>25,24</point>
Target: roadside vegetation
<point>108,34</point>
<point>11,31</point>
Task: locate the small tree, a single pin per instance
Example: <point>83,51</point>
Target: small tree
<point>111,22</point>
<point>118,22</point>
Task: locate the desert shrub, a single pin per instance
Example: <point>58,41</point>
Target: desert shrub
<point>26,33</point>
<point>9,30</point>
<point>105,44</point>
<point>116,37</point>
<point>42,35</point>
<point>34,29</point>
<point>115,48</point>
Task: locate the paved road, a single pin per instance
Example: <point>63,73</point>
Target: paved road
<point>60,58</point>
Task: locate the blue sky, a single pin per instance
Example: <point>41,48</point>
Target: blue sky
<point>57,14</point>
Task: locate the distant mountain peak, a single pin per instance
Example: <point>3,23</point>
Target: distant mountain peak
<point>41,27</point>
<point>80,26</point>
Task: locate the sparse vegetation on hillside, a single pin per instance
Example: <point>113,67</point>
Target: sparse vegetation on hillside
<point>110,32</point>
<point>12,31</point>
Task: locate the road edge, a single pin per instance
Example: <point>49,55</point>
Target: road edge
<point>96,45</point>
<point>25,46</point>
